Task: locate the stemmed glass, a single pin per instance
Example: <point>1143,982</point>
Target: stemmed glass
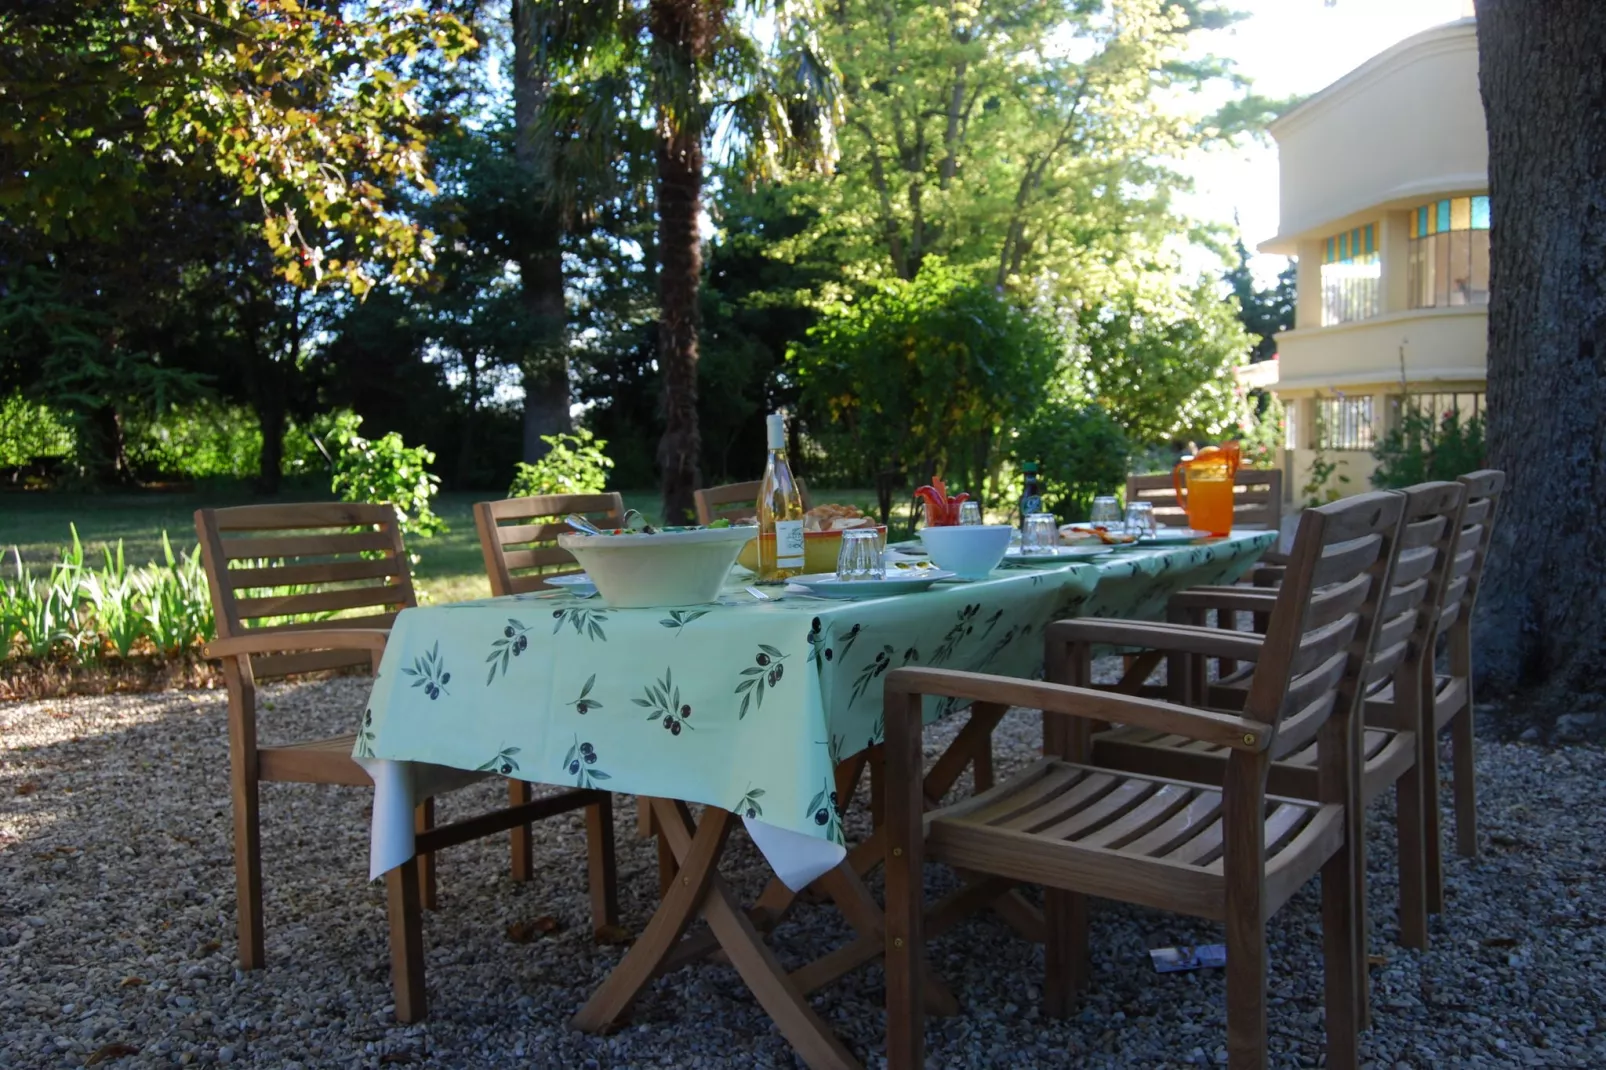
<point>860,556</point>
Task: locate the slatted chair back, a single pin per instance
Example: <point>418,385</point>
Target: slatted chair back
<point>1472,548</point>
<point>294,567</point>
<point>519,536</point>
<point>734,501</point>
<point>1410,614</point>
<point>1257,498</point>
<point>1324,623</point>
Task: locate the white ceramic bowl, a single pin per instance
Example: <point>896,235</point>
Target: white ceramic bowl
<point>671,568</point>
<point>970,551</point>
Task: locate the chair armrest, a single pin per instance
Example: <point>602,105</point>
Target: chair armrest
<point>287,642</point>
<point>1225,729</point>
<point>1173,638</point>
<point>1243,599</point>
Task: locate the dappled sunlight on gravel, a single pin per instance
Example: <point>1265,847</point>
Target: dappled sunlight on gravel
<point>117,928</point>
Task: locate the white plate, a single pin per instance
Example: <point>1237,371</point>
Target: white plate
<point>578,583</point>
<point>1172,536</point>
<point>1064,553</point>
<point>904,581</point>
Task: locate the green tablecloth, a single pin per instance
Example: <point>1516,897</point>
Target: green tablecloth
<point>743,704</point>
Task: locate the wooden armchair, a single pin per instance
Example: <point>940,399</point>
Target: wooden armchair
<point>1257,498</point>
<point>1231,853</point>
<point>519,536</point>
<point>1401,664</point>
<point>276,573</point>
<point>734,501</point>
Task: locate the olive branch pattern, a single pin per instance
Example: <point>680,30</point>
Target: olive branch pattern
<point>579,762</point>
<point>431,672</point>
<point>503,763</point>
<point>767,669</point>
<point>586,622</point>
<point>514,642</point>
<point>679,618</point>
<point>663,701</point>
<point>584,704</point>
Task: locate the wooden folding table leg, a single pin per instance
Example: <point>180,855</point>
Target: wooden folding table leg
<point>522,851</point>
<point>601,878</point>
<point>679,905</point>
<point>406,941</point>
<point>423,821</point>
<point>809,1036</point>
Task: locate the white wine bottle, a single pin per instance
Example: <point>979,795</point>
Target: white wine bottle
<point>780,511</point>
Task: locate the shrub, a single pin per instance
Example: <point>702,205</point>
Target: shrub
<point>201,440</point>
<point>1421,448</point>
<point>575,464</point>
<point>1083,453</point>
<point>386,470</point>
<point>31,432</point>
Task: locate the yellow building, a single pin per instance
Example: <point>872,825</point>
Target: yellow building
<point>1384,200</point>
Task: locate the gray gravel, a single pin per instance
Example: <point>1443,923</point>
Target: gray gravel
<point>117,928</point>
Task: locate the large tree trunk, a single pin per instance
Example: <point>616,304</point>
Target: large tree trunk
<point>680,37</point>
<point>1544,94</point>
<point>546,361</point>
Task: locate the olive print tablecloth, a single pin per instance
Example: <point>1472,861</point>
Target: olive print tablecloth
<point>742,704</point>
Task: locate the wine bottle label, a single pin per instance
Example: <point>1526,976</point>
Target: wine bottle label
<point>789,544</point>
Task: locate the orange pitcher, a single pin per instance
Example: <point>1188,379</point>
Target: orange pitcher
<point>1207,492</point>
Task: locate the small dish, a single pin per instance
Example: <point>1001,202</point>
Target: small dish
<point>826,585</point>
<point>576,583</point>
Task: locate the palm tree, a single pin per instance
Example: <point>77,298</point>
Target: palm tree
<point>696,74</point>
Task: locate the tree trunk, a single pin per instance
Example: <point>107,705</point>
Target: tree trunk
<point>680,37</point>
<point>545,364</point>
<point>271,419</point>
<point>1544,95</point>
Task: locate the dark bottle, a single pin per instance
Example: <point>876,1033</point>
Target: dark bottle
<point>1031,499</point>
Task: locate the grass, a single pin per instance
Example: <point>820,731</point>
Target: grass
<point>39,524</point>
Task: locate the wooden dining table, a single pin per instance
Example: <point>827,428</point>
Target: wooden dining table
<point>764,711</point>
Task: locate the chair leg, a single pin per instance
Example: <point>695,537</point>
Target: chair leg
<point>406,941</point>
<point>1246,991</point>
<point>1410,823</point>
<point>1065,951</point>
<point>1342,965</point>
<point>423,821</point>
<point>1432,830</point>
<point>248,874</point>
<point>983,766</point>
<point>523,853</point>
<point>600,874</point>
<point>1466,787</point>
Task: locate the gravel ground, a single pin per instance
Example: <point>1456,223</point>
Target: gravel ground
<point>117,929</point>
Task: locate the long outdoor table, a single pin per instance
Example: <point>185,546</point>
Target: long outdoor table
<point>749,708</point>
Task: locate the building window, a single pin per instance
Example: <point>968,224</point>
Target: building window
<point>1441,405</point>
<point>1448,263</point>
<point>1344,423</point>
<point>1352,273</point>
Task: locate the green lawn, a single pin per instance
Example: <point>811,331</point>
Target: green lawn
<point>39,524</point>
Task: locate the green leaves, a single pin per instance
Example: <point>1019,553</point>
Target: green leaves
<point>298,109</point>
<point>390,471</point>
<point>574,464</point>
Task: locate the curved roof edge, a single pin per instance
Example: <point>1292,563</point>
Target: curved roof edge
<point>1445,37</point>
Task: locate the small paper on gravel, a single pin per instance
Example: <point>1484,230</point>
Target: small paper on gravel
<point>117,928</point>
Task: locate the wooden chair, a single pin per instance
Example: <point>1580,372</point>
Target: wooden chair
<point>519,536</point>
<point>518,540</point>
<point>1401,665</point>
<point>273,570</point>
<point>1257,498</point>
<point>734,501</point>
<point>1451,693</point>
<point>1233,853</point>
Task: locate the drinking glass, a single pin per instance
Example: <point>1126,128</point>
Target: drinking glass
<point>970,512</point>
<point>860,557</point>
<point>1140,519</point>
<point>1040,534</point>
<point>1106,511</point>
